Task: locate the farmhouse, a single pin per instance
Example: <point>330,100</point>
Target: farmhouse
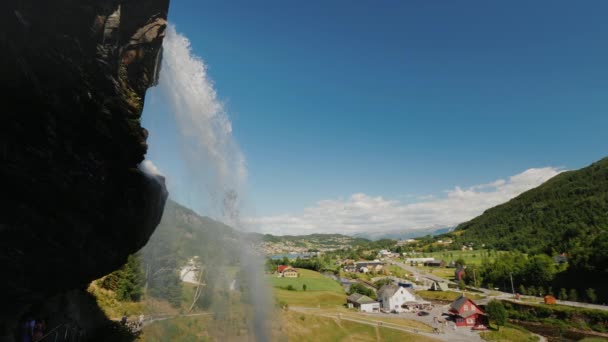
<point>397,298</point>
<point>363,303</point>
<point>465,313</point>
<point>286,271</point>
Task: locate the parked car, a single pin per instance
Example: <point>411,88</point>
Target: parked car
<point>423,313</point>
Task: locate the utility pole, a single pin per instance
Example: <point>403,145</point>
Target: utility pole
<point>512,287</point>
<point>474,278</point>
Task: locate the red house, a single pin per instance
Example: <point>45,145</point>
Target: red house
<point>281,268</point>
<point>465,313</point>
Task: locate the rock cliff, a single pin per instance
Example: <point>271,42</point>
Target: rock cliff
<point>73,203</point>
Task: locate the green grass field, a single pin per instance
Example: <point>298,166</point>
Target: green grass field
<point>446,273</point>
<point>320,291</point>
<point>314,281</point>
<point>469,257</point>
<point>509,333</point>
<point>304,327</point>
<point>446,295</point>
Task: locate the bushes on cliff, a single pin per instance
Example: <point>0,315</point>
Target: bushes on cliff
<point>126,282</point>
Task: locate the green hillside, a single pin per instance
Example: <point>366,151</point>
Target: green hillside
<point>567,214</point>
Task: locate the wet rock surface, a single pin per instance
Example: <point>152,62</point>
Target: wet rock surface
<point>73,203</point>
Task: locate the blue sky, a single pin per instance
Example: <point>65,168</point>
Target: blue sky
<point>401,99</point>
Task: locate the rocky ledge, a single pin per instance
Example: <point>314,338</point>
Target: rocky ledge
<point>73,202</point>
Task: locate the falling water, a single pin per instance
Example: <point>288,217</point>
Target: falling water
<point>211,167</point>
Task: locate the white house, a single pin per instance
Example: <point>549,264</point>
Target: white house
<point>397,298</point>
<point>363,303</point>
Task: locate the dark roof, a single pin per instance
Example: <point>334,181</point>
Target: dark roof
<point>389,289</point>
<point>459,302</point>
<point>360,299</point>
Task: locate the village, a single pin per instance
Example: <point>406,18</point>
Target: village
<point>402,288</point>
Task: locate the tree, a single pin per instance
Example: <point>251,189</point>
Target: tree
<point>522,289</point>
<point>563,294</point>
<point>462,285</point>
<point>591,295</point>
<point>573,295</point>
<point>303,287</point>
<point>497,313</point>
<point>358,288</point>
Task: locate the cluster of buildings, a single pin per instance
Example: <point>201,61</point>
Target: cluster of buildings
<point>352,266</point>
<point>391,298</point>
<point>463,311</point>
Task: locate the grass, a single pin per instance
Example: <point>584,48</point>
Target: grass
<point>509,333</point>
<point>314,281</point>
<point>407,323</point>
<point>320,291</point>
<point>447,295</point>
<point>447,273</point>
<point>304,327</point>
<point>323,299</point>
<point>469,257</point>
<point>178,329</point>
<point>594,339</point>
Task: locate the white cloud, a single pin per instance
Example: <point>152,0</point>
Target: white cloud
<point>362,212</point>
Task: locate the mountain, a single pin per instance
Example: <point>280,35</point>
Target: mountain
<point>567,211</point>
<point>403,234</point>
<point>567,214</point>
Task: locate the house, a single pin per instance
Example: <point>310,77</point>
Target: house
<point>397,298</point>
<point>465,313</point>
<point>286,271</point>
<point>290,273</point>
<point>434,263</point>
<point>363,303</point>
<point>459,273</point>
<point>369,266</point>
<point>350,268</point>
<point>438,286</point>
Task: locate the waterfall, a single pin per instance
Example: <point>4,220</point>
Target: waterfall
<point>207,169</point>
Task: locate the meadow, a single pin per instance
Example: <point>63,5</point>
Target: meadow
<point>470,257</point>
<point>320,291</point>
<point>314,281</point>
<point>304,327</point>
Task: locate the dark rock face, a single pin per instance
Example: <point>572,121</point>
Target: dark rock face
<point>73,204</point>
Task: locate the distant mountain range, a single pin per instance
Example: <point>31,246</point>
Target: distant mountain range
<point>403,234</point>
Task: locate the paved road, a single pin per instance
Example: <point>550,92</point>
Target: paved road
<point>493,294</point>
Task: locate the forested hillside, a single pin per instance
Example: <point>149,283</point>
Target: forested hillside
<point>567,214</point>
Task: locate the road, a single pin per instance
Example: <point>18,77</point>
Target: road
<point>493,294</point>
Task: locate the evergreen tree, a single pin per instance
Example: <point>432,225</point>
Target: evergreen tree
<point>563,294</point>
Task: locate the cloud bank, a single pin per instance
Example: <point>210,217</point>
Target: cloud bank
<point>364,213</point>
